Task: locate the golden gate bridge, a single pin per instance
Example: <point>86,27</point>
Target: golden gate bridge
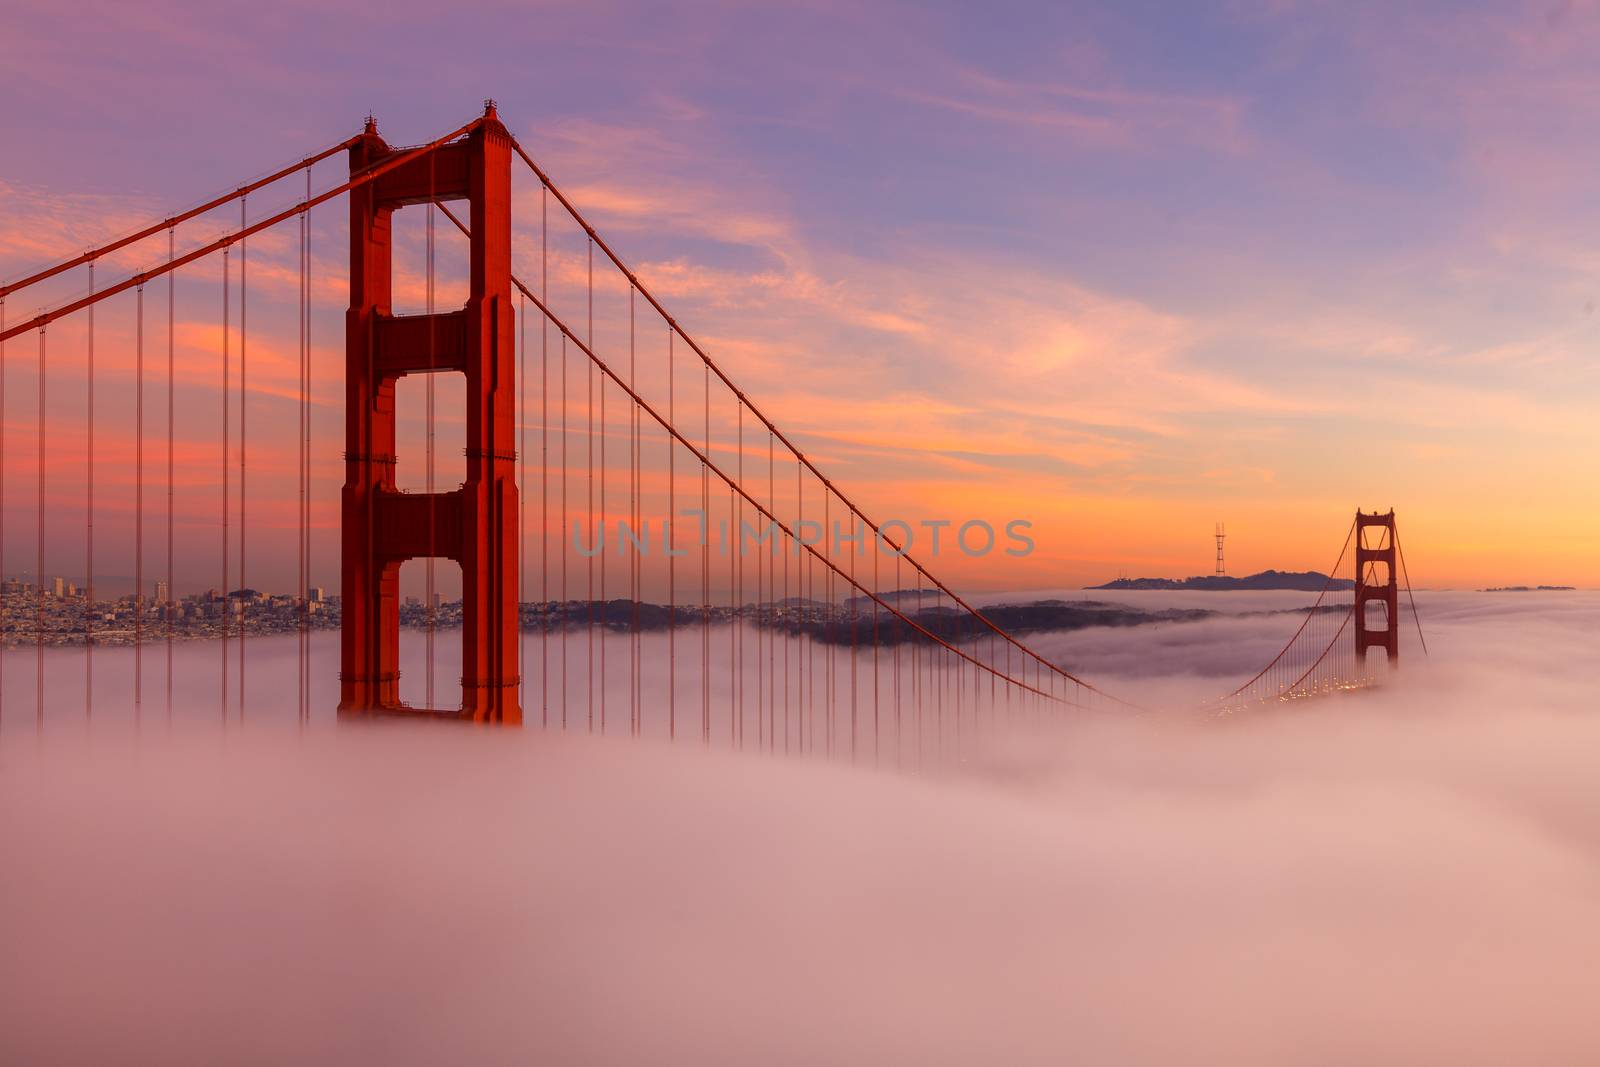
<point>805,645</point>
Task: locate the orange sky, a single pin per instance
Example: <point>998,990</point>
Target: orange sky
<point>1083,276</point>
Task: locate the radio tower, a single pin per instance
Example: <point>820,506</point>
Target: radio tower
<point>1221,570</point>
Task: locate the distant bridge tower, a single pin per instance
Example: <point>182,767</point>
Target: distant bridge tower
<point>475,525</point>
<point>1377,582</point>
<point>1221,570</point>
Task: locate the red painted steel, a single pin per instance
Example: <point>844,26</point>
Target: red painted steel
<point>1386,593</point>
<point>477,524</point>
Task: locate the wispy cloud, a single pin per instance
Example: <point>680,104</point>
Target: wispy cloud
<point>1100,115</point>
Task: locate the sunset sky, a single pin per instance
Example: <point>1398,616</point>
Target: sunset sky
<point>1121,270</point>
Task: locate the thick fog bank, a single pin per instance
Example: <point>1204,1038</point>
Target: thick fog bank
<point>1407,876</point>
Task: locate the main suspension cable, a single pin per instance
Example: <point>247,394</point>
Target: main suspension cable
<point>712,468</point>
<point>1310,614</point>
<point>174,220</point>
<point>44,318</point>
<point>794,450</point>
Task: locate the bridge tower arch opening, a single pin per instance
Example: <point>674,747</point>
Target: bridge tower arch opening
<point>476,525</point>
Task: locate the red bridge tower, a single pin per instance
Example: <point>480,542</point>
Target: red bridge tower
<point>1375,561</point>
<point>475,525</point>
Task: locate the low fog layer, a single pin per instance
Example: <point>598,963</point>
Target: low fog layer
<point>1406,876</point>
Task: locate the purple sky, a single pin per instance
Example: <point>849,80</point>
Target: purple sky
<point>1127,270</point>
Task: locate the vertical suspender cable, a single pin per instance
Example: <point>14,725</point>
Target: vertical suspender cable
<point>772,633</point>
<point>758,602</point>
<point>763,596</point>
<point>2,507</point>
<point>735,628</point>
<point>820,616</point>
<point>562,553</point>
<point>767,633</point>
<point>638,522</point>
<point>305,580</point>
<point>920,658</point>
<point>828,623</point>
<point>38,562</point>
<point>895,657</point>
<point>522,495</point>
<point>1409,595</point>
<point>88,569</point>
<point>672,561</point>
<point>600,544</point>
<point>955,684</point>
<point>244,602</point>
<point>785,632</point>
<point>302,594</point>
<point>138,503</point>
<point>632,490</point>
<point>227,604</point>
<point>705,573</point>
<point>305,532</point>
<point>855,630</point>
<point>544,458</point>
<point>802,680</point>
<point>589,410</point>
<point>736,585</point>
<point>170,607</point>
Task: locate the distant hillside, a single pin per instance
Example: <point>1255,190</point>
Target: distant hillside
<point>1303,581</point>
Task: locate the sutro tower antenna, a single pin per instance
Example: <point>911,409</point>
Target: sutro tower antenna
<point>1221,569</point>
